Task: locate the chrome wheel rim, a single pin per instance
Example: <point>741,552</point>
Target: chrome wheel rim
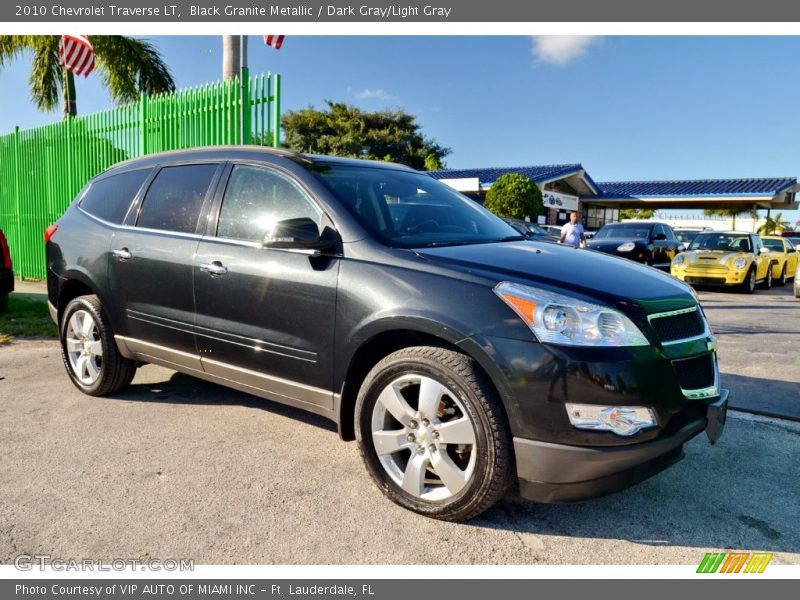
<point>83,347</point>
<point>424,438</point>
<point>752,284</point>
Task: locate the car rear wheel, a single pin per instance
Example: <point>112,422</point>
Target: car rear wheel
<point>433,433</point>
<point>89,351</point>
<point>783,278</point>
<point>767,283</point>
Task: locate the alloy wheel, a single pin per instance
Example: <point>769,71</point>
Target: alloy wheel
<point>424,438</point>
<point>83,346</point>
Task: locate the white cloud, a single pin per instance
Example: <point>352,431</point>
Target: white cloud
<point>375,95</point>
<point>560,49</point>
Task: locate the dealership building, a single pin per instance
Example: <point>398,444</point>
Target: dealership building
<point>569,187</point>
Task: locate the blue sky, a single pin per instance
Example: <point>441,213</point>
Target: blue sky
<point>626,107</point>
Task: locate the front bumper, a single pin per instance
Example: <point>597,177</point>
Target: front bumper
<point>706,277</point>
<point>555,473</point>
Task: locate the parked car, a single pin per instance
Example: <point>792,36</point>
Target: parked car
<point>796,287</point>
<point>686,234</point>
<point>793,235</point>
<point>648,242</point>
<point>553,230</point>
<point>732,258</point>
<point>6,272</point>
<point>531,230</point>
<point>460,355</point>
<point>784,257</point>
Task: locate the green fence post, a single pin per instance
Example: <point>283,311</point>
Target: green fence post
<point>276,111</point>
<point>17,212</point>
<point>247,133</point>
<point>142,124</point>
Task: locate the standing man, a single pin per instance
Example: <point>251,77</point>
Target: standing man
<point>572,232</point>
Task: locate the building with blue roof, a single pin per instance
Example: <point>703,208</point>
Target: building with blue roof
<point>569,187</point>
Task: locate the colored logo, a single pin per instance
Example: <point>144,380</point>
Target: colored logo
<point>734,562</point>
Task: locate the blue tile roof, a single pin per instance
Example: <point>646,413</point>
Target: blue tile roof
<point>492,174</point>
<point>695,187</point>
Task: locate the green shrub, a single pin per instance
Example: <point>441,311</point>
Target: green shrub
<point>514,196</point>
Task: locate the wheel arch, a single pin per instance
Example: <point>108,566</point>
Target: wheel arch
<point>380,345</point>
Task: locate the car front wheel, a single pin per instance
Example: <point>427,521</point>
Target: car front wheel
<point>89,351</point>
<point>783,278</point>
<point>767,283</point>
<point>433,433</point>
<point>748,286</point>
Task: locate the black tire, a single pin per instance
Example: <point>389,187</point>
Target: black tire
<point>115,371</point>
<point>767,283</point>
<point>748,286</point>
<point>783,278</point>
<point>492,452</point>
<point>3,303</point>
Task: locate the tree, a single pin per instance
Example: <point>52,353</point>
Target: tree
<point>731,213</point>
<point>637,213</point>
<point>772,226</point>
<point>344,130</point>
<point>127,67</point>
<point>514,196</point>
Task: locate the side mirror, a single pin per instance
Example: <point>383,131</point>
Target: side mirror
<point>300,233</point>
<point>681,248</point>
<point>764,251</point>
<point>659,237</point>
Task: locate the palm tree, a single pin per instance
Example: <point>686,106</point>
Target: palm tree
<point>126,65</point>
<point>772,226</point>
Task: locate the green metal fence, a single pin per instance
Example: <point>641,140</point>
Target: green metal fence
<point>42,169</point>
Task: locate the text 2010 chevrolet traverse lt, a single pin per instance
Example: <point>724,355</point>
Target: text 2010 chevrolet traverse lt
<point>460,355</point>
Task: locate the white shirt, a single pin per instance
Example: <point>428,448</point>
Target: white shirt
<point>572,233</point>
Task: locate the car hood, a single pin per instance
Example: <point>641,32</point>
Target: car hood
<point>611,244</point>
<point>702,258</point>
<point>596,276</point>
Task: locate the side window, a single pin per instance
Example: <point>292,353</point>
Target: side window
<point>657,228</point>
<point>256,198</point>
<point>669,233</point>
<point>175,197</point>
<point>756,241</point>
<point>110,198</point>
<point>789,246</point>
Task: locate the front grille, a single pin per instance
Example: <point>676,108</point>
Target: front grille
<point>678,326</point>
<point>705,280</point>
<point>695,373</point>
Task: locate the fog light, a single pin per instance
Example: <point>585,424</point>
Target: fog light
<point>622,420</point>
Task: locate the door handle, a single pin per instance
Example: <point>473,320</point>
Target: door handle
<point>215,268</point>
<point>122,253</point>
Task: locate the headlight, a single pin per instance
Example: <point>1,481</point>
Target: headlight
<point>739,263</point>
<point>677,261</point>
<point>626,247</point>
<point>558,319</point>
<point>622,420</point>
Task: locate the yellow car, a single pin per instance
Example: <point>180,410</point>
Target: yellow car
<point>732,258</point>
<point>785,256</point>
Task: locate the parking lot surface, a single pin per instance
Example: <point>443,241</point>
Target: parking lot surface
<point>178,468</point>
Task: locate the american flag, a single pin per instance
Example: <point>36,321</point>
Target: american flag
<point>76,54</point>
<point>274,40</point>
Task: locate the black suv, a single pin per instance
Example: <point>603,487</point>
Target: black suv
<point>647,242</point>
<point>460,355</point>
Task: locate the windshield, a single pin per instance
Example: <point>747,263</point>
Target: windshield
<point>408,209</point>
<point>623,232</point>
<point>534,228</point>
<point>721,241</point>
<point>776,245</point>
<point>686,235</point>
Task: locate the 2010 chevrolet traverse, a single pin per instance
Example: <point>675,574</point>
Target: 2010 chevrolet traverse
<point>460,355</point>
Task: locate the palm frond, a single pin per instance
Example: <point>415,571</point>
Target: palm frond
<point>129,66</point>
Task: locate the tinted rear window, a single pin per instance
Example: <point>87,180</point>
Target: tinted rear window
<point>175,197</point>
<point>109,198</point>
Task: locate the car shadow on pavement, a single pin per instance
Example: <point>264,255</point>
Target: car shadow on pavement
<point>761,396</point>
<point>738,495</point>
<point>185,389</point>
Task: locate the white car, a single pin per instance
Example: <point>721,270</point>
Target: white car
<point>797,287</point>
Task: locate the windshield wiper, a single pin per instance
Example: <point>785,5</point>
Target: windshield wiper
<point>513,238</point>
